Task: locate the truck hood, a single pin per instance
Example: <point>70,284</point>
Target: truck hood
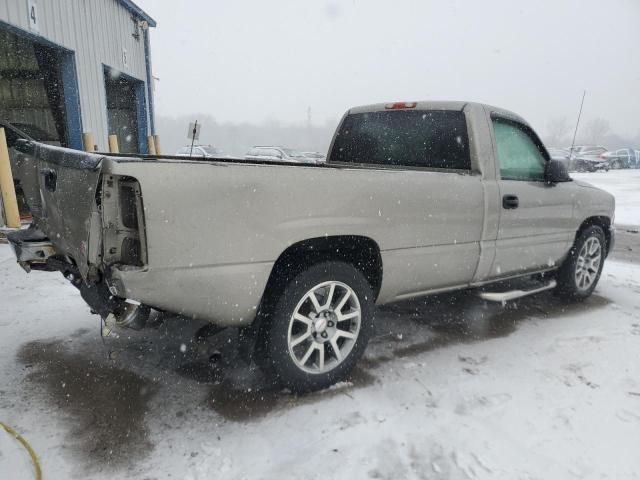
<point>60,188</point>
<point>601,201</point>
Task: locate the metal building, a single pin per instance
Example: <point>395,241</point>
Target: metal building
<point>74,66</point>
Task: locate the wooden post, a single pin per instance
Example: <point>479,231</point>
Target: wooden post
<point>156,140</point>
<point>7,188</point>
<point>151,144</point>
<point>87,142</point>
<point>113,144</point>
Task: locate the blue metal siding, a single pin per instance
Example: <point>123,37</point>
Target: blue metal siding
<point>143,132</point>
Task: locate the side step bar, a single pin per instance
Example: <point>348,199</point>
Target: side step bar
<point>513,294</point>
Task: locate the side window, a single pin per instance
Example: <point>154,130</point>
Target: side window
<point>518,153</point>
<point>435,139</point>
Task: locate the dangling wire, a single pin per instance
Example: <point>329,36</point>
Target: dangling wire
<point>25,444</point>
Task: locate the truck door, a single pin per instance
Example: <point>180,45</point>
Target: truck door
<point>535,217</point>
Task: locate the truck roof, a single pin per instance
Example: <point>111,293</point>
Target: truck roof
<point>421,105</point>
<point>432,105</point>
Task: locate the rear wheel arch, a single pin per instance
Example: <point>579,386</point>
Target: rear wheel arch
<point>360,251</point>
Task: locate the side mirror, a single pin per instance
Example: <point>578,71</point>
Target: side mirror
<point>555,171</point>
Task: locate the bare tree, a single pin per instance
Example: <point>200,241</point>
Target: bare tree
<point>558,130</point>
<point>595,130</point>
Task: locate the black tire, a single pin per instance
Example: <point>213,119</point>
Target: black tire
<point>566,276</point>
<point>273,350</point>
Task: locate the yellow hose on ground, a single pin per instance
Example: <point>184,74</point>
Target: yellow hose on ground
<point>25,444</point>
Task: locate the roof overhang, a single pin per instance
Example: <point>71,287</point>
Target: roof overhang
<point>138,12</point>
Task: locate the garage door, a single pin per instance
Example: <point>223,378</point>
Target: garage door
<point>38,89</point>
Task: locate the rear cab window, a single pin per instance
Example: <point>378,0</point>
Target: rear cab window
<point>430,139</point>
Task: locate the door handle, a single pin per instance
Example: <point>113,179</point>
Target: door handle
<point>510,202</point>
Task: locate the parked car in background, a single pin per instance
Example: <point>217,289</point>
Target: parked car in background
<point>202,151</point>
<point>315,156</point>
<point>277,154</point>
<point>589,158</point>
<point>623,158</point>
<point>559,154</point>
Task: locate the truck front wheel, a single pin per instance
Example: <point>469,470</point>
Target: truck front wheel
<point>319,327</point>
<point>580,272</point>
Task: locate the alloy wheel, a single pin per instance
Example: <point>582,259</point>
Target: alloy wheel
<point>324,327</point>
<point>588,263</point>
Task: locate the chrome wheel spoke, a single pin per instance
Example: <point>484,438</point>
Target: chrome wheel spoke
<point>303,319</point>
<point>342,317</point>
<point>345,334</point>
<point>336,349</point>
<point>343,301</point>
<point>327,304</point>
<point>298,340</point>
<point>307,355</point>
<point>314,300</point>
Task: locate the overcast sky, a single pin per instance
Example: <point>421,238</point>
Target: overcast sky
<point>272,59</point>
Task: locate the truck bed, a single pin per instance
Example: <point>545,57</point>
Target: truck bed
<point>212,229</point>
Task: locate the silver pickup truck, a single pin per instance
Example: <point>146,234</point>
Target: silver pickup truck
<point>414,199</point>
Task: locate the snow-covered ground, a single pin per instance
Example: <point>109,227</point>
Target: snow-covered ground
<point>622,184</point>
<point>450,388</point>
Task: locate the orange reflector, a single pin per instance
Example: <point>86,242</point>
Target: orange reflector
<point>400,105</point>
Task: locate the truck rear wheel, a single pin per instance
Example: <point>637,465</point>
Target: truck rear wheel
<point>319,327</point>
<point>580,272</point>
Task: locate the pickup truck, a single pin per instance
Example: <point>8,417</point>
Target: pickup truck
<point>415,198</point>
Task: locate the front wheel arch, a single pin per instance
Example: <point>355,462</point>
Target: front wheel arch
<point>600,221</point>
